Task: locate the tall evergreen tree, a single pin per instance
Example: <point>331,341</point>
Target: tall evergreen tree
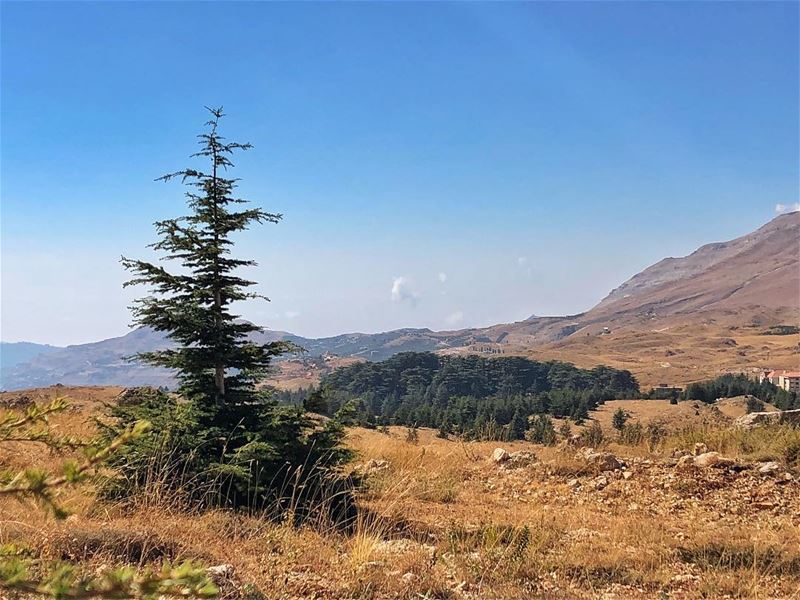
<point>227,435</point>
<point>519,425</point>
<point>214,359</point>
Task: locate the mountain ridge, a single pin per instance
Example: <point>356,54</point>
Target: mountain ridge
<point>752,280</point>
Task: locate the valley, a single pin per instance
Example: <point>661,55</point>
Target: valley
<point>679,321</point>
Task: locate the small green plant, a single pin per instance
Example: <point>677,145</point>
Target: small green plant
<point>592,436</point>
<point>656,432</point>
<point>754,405</point>
<point>632,434</point>
<point>619,419</point>
<point>542,431</point>
<point>412,435</point>
<point>37,484</point>
<point>61,580</point>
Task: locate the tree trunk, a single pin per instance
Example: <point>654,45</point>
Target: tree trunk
<point>219,368</point>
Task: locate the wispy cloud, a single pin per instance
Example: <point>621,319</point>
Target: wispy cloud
<point>454,318</point>
<point>291,314</point>
<point>403,292</point>
<point>786,208</point>
<point>443,277</point>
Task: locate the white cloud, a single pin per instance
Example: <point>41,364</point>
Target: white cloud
<point>786,208</point>
<point>454,318</point>
<point>291,314</point>
<point>443,277</point>
<point>403,292</point>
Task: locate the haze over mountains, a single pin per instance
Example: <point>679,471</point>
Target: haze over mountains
<point>678,320</point>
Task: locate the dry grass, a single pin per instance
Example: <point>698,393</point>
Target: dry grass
<point>442,521</point>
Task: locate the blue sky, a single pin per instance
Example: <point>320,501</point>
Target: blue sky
<point>438,165</point>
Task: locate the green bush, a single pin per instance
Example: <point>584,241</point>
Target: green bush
<point>542,431</point>
<point>592,435</point>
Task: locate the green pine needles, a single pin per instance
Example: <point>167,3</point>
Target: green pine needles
<point>223,439</point>
<point>214,358</point>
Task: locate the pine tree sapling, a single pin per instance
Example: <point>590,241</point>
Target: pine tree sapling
<point>619,419</point>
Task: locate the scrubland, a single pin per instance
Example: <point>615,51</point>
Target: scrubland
<point>438,518</point>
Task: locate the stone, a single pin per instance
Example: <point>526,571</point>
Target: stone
<point>17,402</point>
<point>223,577</point>
<point>758,419</point>
<point>604,461</point>
<point>408,578</point>
<point>224,571</point>
<point>768,468</point>
<point>712,459</point>
<point>521,458</point>
<point>500,455</point>
<point>627,474</point>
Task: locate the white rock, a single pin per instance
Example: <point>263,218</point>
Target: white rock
<point>219,573</point>
<point>711,459</point>
<point>768,468</point>
<point>500,455</point>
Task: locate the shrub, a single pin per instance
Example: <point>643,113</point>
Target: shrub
<point>542,431</point>
<point>61,580</point>
<point>592,435</point>
<point>182,460</point>
<point>412,435</point>
<point>632,434</point>
<point>619,419</point>
<point>754,405</point>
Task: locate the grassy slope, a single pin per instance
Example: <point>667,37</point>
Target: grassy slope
<point>441,519</point>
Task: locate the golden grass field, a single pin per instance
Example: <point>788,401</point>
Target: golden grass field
<point>677,353</point>
<point>439,519</point>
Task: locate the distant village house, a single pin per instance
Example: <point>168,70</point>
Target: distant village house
<point>784,379</point>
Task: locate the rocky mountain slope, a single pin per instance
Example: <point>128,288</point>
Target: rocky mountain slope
<point>679,320</point>
<point>766,257</point>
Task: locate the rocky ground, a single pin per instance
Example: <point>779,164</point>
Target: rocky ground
<point>705,511</point>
